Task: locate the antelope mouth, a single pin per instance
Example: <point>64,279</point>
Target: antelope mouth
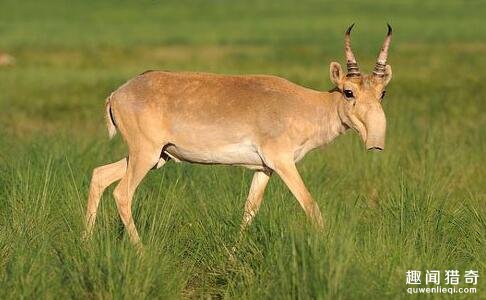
<point>375,149</point>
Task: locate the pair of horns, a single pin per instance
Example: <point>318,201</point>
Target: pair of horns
<point>352,65</point>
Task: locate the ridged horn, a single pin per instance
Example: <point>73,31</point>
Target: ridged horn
<point>380,66</point>
<point>351,64</point>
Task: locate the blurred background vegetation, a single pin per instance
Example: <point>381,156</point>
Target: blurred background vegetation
<point>418,205</point>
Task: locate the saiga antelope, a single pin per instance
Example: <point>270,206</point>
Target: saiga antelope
<point>6,60</point>
<point>265,123</point>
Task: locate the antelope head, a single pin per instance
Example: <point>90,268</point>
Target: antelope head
<point>361,94</point>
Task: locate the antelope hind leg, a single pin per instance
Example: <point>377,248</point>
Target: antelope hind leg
<point>103,177</point>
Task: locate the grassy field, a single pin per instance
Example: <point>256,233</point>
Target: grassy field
<point>419,205</point>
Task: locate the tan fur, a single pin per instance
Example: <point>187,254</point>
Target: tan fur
<point>265,123</point>
<point>6,60</point>
<point>110,124</point>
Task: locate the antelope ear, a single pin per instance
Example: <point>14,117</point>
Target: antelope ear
<point>388,75</point>
<point>336,74</point>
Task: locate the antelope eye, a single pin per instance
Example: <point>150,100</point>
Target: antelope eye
<point>383,94</point>
<point>348,93</point>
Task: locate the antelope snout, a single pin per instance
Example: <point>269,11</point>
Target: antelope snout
<point>375,149</point>
<point>375,143</point>
<point>376,130</point>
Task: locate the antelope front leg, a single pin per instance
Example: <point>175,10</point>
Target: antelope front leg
<point>288,172</point>
<point>255,196</point>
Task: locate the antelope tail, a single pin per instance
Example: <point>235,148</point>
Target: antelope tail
<point>110,122</point>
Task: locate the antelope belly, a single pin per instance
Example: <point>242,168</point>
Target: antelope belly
<point>232,154</point>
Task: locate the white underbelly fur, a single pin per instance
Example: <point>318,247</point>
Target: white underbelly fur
<point>244,154</point>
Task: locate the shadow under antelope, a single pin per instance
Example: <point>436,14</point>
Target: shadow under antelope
<point>264,123</point>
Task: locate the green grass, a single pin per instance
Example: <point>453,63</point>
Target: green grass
<point>418,205</point>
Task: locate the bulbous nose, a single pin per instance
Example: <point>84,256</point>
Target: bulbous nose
<point>376,129</point>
